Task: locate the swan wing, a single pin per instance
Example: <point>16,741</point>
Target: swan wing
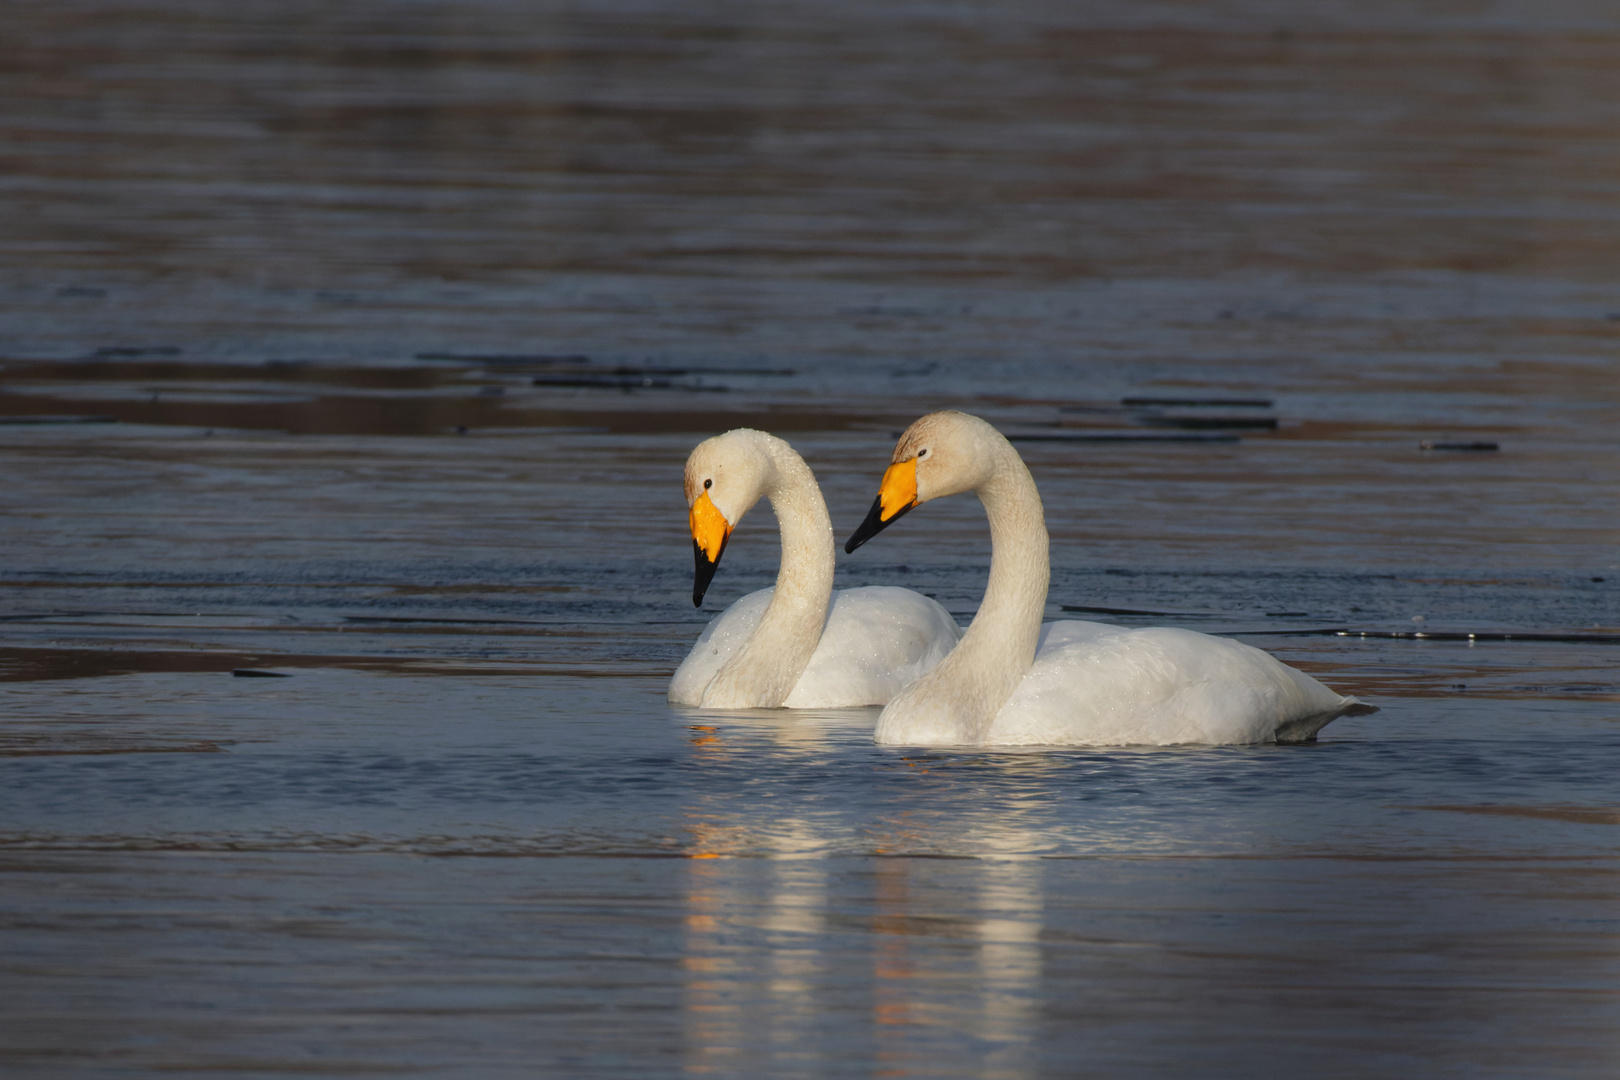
<point>877,640</point>
<point>724,635</point>
<point>1099,685</point>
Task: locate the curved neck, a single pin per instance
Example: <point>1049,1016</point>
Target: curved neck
<point>806,573</point>
<point>1008,623</point>
<point>958,700</point>
<point>767,667</point>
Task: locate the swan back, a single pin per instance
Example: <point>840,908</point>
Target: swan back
<point>1107,685</point>
<point>878,640</point>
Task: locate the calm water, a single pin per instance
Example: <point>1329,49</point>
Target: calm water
<point>363,345</point>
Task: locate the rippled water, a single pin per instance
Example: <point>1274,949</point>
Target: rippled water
<point>360,347</point>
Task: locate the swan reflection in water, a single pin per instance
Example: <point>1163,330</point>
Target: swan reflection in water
<point>830,938</point>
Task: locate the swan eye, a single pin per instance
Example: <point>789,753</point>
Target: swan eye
<point>707,484</point>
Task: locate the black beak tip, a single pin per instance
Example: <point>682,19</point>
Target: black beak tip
<point>702,572</point>
<point>873,525</point>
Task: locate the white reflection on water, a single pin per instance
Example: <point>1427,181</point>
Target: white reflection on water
<point>942,962</point>
<point>736,1009</point>
<point>764,1000</point>
<point>940,973</point>
<point>1010,962</point>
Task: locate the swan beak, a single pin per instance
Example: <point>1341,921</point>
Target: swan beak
<point>710,531</point>
<point>896,495</point>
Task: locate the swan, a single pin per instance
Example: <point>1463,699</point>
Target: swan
<point>1012,683</point>
<point>794,645</point>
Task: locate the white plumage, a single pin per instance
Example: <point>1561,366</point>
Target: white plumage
<point>796,645</point>
<point>1102,685</point>
<point>876,641</point>
<point>1013,682</point>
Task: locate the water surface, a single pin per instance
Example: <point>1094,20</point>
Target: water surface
<point>362,347</point>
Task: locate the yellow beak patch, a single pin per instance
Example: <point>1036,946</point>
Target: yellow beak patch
<point>710,529</point>
<point>899,489</point>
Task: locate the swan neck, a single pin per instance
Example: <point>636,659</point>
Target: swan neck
<point>957,702</point>
<point>1015,597</point>
<point>806,529</point>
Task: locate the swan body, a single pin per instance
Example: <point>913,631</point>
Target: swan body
<point>877,640</point>
<point>1012,683</point>
<point>797,644</point>
<point>1108,685</point>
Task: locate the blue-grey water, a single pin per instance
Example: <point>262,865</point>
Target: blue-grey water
<point>349,356</point>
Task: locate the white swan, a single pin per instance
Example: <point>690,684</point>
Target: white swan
<point>1079,683</point>
<point>782,646</point>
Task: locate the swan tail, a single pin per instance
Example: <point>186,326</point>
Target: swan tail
<point>1305,728</point>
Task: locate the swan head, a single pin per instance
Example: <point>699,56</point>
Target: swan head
<point>943,453</point>
<point>725,477</point>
